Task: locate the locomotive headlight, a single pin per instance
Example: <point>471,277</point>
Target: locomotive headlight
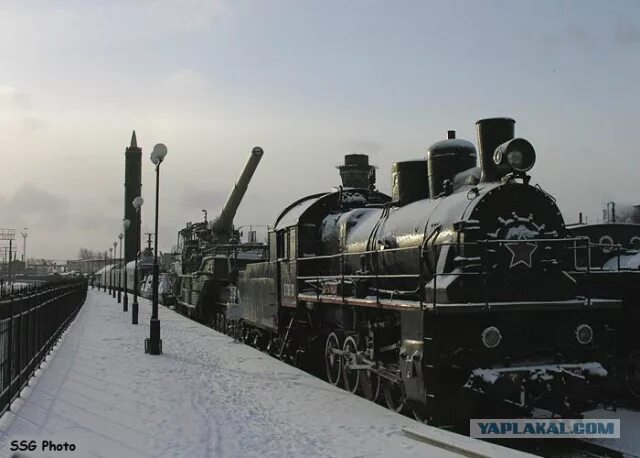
<point>584,334</point>
<point>517,154</point>
<point>515,159</point>
<point>491,337</point>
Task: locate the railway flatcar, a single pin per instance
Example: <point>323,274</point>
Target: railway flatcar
<point>453,297</point>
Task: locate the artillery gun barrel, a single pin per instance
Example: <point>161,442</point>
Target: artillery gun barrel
<point>224,221</point>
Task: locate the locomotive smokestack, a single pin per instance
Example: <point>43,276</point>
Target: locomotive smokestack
<point>451,134</point>
<point>492,133</point>
<point>355,171</point>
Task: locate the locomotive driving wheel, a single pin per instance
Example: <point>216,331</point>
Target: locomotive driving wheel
<point>395,395</point>
<point>632,374</point>
<point>370,385</point>
<point>332,359</point>
<point>351,377</point>
<point>257,339</point>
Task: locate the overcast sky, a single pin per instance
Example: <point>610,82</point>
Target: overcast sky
<point>309,81</point>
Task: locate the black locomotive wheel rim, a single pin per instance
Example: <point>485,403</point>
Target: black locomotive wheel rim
<point>418,416</point>
<point>371,385</point>
<point>333,361</point>
<point>351,377</point>
<point>632,374</point>
<point>394,396</point>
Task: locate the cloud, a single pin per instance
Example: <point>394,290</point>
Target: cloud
<point>626,33</point>
<point>579,35</point>
<point>13,99</point>
<point>18,111</point>
<point>186,82</point>
<point>198,198</point>
<point>364,146</point>
<point>30,199</point>
<point>32,124</point>
<point>191,15</point>
<point>45,213</point>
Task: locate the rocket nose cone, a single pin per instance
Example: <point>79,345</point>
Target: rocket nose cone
<point>257,151</point>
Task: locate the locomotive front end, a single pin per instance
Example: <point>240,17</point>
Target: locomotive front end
<point>525,337</point>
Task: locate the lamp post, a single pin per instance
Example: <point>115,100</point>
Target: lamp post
<point>153,345</point>
<point>110,270</point>
<point>115,253</point>
<point>125,301</point>
<point>24,247</point>
<point>103,277</point>
<point>120,235</point>
<point>137,204</point>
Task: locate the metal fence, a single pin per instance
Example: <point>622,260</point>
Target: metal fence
<point>31,321</point>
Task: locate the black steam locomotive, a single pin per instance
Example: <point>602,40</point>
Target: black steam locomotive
<point>456,293</point>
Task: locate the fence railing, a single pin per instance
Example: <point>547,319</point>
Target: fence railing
<point>31,321</point>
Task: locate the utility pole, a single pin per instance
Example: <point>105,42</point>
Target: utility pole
<point>8,234</point>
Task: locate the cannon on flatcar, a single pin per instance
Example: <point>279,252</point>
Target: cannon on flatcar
<point>212,253</point>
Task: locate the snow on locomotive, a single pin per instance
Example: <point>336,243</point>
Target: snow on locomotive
<point>453,296</point>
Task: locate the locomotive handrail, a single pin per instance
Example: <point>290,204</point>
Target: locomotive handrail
<point>570,243</point>
<point>476,243</point>
<point>616,248</point>
<point>328,277</point>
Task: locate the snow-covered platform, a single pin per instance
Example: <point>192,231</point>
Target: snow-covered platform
<point>205,396</point>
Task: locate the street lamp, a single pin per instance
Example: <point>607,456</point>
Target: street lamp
<point>125,302</point>
<point>103,277</point>
<point>110,269</point>
<point>115,253</point>
<point>153,345</point>
<point>120,235</point>
<point>137,204</point>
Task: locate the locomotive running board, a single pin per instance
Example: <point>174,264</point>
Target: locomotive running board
<point>404,305</point>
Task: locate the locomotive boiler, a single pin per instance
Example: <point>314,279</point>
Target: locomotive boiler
<point>455,293</point>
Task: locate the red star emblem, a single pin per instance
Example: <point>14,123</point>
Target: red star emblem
<point>521,253</point>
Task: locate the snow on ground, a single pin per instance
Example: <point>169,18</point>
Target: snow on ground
<point>205,396</point>
<point>629,441</point>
